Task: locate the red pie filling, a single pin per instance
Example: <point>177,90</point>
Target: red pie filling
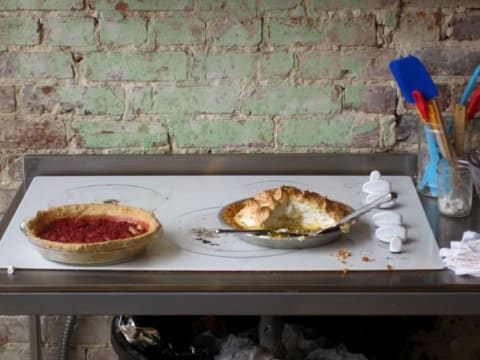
<point>91,229</point>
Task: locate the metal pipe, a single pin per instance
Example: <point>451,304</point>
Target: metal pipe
<point>65,340</point>
<point>34,333</point>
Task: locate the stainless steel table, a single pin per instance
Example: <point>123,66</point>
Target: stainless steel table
<point>244,293</point>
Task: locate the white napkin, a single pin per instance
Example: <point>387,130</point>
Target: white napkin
<point>463,256</point>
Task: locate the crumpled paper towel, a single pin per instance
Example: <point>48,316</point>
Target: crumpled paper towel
<point>463,256</point>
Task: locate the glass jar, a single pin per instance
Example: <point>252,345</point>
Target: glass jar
<point>428,156</point>
<point>454,188</point>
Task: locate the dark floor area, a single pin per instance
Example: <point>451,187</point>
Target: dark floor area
<point>292,337</point>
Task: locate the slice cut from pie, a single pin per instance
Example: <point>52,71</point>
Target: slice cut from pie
<point>285,207</point>
<point>92,233</point>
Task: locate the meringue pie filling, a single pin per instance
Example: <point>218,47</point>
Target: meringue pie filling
<point>285,208</point>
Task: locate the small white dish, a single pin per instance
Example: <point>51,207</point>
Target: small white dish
<point>387,217</point>
<point>385,205</point>
<point>387,233</point>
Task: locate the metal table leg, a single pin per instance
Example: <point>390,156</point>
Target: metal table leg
<point>34,334</point>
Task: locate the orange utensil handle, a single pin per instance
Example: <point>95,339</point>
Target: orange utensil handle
<point>459,124</point>
<point>443,139</point>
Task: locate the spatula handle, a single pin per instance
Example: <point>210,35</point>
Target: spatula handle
<point>460,120</point>
<point>445,142</point>
<point>435,125</point>
<point>367,207</point>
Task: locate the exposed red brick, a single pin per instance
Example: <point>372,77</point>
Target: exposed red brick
<point>417,27</point>
<point>449,61</point>
<point>379,99</point>
<point>373,99</point>
<point>38,100</point>
<point>47,89</point>
<point>32,134</point>
<point>365,140</point>
<point>121,6</point>
<point>444,96</point>
<point>466,28</point>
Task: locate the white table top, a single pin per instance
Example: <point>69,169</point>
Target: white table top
<point>183,203</point>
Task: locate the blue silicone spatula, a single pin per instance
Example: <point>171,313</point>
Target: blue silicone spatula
<point>411,75</point>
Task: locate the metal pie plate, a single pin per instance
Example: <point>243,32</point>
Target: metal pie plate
<point>283,242</point>
<point>117,252</point>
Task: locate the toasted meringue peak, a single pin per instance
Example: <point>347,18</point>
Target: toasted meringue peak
<point>286,207</point>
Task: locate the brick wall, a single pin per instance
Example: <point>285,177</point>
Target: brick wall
<point>90,338</point>
<point>198,76</point>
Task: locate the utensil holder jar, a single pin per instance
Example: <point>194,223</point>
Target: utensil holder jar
<point>429,154</point>
<point>455,188</point>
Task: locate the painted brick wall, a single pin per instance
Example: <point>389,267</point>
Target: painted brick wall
<point>198,76</point>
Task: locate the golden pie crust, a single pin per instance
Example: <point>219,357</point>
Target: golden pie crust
<point>95,252</point>
<point>257,212</point>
